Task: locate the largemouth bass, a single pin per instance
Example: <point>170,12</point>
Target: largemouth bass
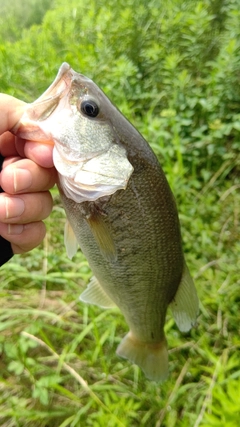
<point>121,212</point>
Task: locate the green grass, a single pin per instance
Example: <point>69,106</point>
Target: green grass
<point>58,362</point>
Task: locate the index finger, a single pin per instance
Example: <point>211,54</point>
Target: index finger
<point>40,153</point>
<point>11,109</point>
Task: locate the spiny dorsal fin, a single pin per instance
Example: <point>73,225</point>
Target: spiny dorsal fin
<point>70,240</point>
<point>102,236</point>
<point>185,304</point>
<point>94,294</point>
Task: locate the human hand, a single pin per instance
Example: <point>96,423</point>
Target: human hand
<point>27,175</point>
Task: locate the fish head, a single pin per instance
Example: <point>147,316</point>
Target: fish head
<point>76,115</point>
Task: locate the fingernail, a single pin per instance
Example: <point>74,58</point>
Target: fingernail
<point>15,229</point>
<point>22,179</point>
<point>14,207</point>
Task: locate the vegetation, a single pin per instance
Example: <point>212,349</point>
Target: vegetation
<point>173,68</point>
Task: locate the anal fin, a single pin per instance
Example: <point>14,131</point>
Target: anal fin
<point>94,294</point>
<point>185,305</point>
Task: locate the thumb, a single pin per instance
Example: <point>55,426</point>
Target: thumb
<point>11,110</point>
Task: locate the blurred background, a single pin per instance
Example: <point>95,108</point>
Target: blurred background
<point>173,69</point>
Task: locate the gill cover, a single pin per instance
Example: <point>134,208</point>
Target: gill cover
<point>100,176</point>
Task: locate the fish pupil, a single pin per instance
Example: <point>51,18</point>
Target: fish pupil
<point>89,108</point>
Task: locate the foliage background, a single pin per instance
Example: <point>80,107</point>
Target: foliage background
<point>173,68</point>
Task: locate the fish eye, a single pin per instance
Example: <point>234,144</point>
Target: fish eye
<point>90,108</point>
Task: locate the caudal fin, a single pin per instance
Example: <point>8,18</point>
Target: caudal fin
<point>151,358</point>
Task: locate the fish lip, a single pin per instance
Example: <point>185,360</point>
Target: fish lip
<point>43,106</point>
<point>64,73</point>
<point>49,100</point>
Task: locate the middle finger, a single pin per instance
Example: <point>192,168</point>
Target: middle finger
<point>25,208</point>
<point>25,175</point>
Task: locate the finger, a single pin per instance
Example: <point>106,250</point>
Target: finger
<point>10,160</point>
<point>11,109</point>
<point>39,152</point>
<point>6,162</point>
<point>25,175</point>
<point>26,208</point>
<point>7,144</point>
<point>23,238</point>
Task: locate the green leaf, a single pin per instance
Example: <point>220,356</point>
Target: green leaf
<point>16,367</point>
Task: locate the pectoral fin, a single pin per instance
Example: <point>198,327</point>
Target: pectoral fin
<point>94,294</point>
<point>70,240</point>
<point>185,304</point>
<point>103,236</point>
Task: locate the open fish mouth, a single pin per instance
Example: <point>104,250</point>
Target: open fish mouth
<point>44,106</point>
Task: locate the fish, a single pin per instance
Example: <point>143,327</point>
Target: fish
<point>121,212</point>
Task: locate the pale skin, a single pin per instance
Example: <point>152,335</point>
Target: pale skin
<point>27,175</point>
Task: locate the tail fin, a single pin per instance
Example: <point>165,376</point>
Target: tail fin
<point>151,358</point>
